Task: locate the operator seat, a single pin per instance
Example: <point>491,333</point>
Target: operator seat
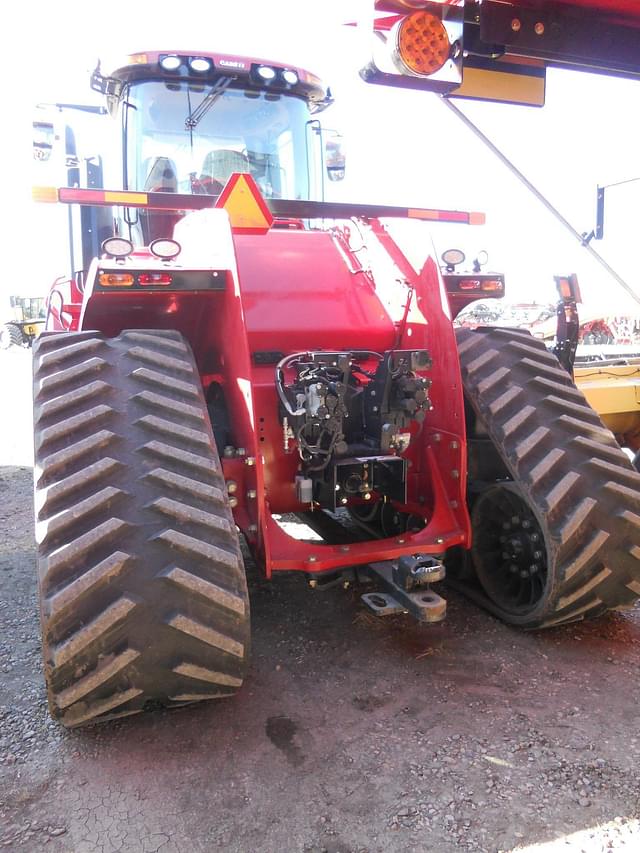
<point>218,166</point>
<point>162,177</point>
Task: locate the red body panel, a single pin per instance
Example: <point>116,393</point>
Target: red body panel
<point>295,291</point>
<point>299,294</point>
<point>628,10</point>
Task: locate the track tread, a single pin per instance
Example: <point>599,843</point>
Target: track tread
<point>134,612</point>
<point>578,482</point>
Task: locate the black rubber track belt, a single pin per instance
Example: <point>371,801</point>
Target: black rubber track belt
<point>580,485</point>
<point>143,595</point>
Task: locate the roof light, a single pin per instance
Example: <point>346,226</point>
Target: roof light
<point>113,279</point>
<point>170,63</point>
<point>290,77</point>
<point>266,72</point>
<point>423,44</point>
<point>200,64</point>
<point>165,248</point>
<point>117,247</point>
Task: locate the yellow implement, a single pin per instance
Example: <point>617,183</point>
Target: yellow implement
<point>613,390</point>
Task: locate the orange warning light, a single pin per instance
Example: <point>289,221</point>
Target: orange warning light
<point>423,43</point>
<point>243,201</point>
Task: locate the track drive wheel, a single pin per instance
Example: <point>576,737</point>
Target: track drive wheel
<point>560,539</point>
<point>143,596</point>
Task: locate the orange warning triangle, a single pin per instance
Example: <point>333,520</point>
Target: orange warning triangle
<point>247,209</point>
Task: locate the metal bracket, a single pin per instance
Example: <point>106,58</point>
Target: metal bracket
<point>406,583</point>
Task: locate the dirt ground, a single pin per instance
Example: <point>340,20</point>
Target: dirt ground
<point>351,734</point>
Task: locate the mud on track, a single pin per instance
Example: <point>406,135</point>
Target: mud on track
<point>351,734</point>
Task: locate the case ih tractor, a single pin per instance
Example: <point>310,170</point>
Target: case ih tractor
<point>229,358</point>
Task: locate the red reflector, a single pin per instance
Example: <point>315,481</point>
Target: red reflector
<point>154,278</point>
<point>491,285</point>
<point>469,284</point>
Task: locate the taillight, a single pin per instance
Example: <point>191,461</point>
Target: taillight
<point>469,284</point>
<point>115,279</point>
<point>492,285</point>
<point>154,278</point>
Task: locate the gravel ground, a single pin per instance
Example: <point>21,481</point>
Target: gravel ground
<point>352,734</point>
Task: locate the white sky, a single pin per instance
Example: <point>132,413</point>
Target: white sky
<point>404,147</point>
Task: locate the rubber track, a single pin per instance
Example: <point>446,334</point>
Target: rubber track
<point>143,595</point>
<point>579,483</point>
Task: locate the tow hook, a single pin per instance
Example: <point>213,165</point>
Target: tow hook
<point>407,584</point>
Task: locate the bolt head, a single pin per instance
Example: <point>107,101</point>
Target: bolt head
<point>232,487</point>
<point>516,25</point>
<point>250,460</point>
<point>312,558</point>
<point>233,502</point>
<point>252,494</point>
<point>539,29</point>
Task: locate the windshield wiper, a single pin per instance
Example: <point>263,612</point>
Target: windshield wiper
<point>194,117</point>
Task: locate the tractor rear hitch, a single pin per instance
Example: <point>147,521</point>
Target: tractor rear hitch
<point>407,588</point>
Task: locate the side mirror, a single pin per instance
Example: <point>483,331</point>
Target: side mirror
<point>334,155</point>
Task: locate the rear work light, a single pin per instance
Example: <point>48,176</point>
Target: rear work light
<point>117,247</point>
<point>154,278</point>
<point>115,279</point>
<point>422,45</point>
<point>163,247</point>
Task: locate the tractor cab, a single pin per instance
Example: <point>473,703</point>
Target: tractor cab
<point>191,121</point>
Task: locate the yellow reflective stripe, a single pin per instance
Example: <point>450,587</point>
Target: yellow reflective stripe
<point>126,198</point>
<point>417,213</point>
<point>44,194</point>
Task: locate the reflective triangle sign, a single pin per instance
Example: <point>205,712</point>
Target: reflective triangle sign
<point>247,209</point>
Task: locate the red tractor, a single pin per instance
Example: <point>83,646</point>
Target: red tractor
<point>229,361</point>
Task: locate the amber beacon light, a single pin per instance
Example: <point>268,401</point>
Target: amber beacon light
<point>422,44</point>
